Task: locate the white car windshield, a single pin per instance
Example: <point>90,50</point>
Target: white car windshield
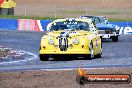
<point>70,25</point>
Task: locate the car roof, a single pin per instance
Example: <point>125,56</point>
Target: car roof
<point>92,16</point>
<point>72,19</point>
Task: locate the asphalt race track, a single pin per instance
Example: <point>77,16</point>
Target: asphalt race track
<point>117,54</point>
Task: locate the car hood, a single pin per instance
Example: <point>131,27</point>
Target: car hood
<point>68,33</point>
<point>103,26</point>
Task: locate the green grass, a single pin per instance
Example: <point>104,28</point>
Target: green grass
<point>27,17</point>
<point>53,18</point>
<point>119,19</point>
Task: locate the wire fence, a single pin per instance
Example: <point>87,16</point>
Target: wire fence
<point>71,10</point>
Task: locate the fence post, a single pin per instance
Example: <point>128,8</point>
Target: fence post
<point>86,11</point>
<point>25,9</point>
<point>55,12</point>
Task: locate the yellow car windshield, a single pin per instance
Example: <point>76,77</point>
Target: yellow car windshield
<point>70,25</point>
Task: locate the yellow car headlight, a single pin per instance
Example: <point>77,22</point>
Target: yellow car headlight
<point>51,41</point>
<point>75,41</point>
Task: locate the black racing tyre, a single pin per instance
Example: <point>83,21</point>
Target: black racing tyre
<point>11,11</point>
<point>4,11</point>
<point>43,58</point>
<point>0,11</point>
<point>101,38</point>
<point>115,38</point>
<point>91,56</point>
<point>80,80</point>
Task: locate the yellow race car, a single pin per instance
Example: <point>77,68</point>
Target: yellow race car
<point>70,37</point>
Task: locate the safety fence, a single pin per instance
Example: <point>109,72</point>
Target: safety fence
<point>10,24</point>
<point>125,27</point>
<point>40,25</point>
<point>24,24</point>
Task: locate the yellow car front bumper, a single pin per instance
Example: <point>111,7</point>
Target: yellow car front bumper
<point>64,52</point>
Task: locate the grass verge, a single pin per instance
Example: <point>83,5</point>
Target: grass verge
<point>27,17</point>
<point>54,18</point>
